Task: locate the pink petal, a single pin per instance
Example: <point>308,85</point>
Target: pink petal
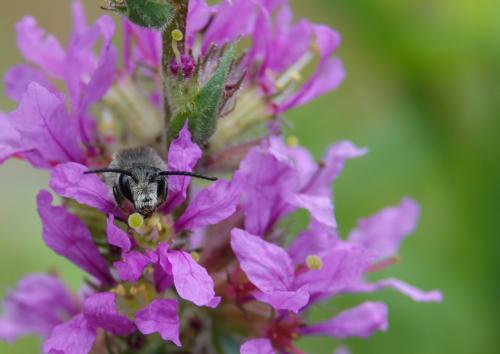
<point>116,236</point>
<point>160,317</point>
<point>45,127</point>
<point>100,311</point>
<point>257,346</point>
<point>18,78</point>
<point>211,205</point>
<point>320,208</point>
<point>131,267</point>
<point>72,337</point>
<point>69,181</point>
<point>361,321</point>
<point>398,285</point>
<point>191,280</point>
<point>45,51</point>
<point>66,235</point>
<point>182,156</point>
<point>384,231</point>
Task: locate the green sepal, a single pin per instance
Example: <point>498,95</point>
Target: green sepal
<point>202,111</point>
<point>148,13</point>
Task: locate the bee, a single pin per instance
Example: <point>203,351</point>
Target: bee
<point>139,177</point>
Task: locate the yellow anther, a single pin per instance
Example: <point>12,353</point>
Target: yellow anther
<point>135,220</point>
<point>313,262</point>
<point>292,141</point>
<point>177,35</point>
<point>133,290</point>
<point>120,290</point>
<point>195,255</point>
<point>295,75</point>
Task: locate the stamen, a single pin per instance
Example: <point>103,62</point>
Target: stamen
<point>314,262</point>
<point>135,220</point>
<point>196,256</point>
<point>177,36</point>
<point>292,141</point>
<point>293,73</point>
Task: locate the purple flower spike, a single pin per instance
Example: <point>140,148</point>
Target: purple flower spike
<point>66,235</point>
<point>360,321</point>
<point>160,317</point>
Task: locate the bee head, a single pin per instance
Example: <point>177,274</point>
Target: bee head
<point>145,187</point>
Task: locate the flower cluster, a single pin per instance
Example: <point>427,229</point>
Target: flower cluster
<point>212,266</point>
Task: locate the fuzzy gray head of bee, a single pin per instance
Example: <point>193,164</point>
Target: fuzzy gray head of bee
<point>137,177</point>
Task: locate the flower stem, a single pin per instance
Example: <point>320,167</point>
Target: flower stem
<point>168,54</point>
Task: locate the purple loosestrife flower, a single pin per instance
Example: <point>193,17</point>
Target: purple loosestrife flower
<point>211,264</point>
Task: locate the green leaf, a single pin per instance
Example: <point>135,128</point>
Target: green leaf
<point>149,13</point>
<point>202,112</point>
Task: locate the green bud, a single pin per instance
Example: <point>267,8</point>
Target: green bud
<point>202,112</point>
<point>147,13</point>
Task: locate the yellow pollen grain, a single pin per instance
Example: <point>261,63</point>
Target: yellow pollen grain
<point>120,290</point>
<point>135,220</point>
<point>295,75</point>
<point>292,141</point>
<point>313,262</point>
<point>133,290</point>
<point>195,255</point>
<point>177,35</point>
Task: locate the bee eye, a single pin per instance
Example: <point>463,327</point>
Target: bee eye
<point>162,189</point>
<point>124,185</point>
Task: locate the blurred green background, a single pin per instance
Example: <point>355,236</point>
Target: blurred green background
<point>423,93</point>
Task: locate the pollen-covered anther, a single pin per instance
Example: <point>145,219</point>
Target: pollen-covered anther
<point>195,255</point>
<point>135,220</point>
<point>177,35</point>
<point>296,76</point>
<point>292,141</point>
<point>314,262</point>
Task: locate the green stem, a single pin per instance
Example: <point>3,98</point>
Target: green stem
<point>179,22</point>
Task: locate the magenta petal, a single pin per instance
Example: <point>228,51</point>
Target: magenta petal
<point>132,266</point>
<point>190,279</point>
<point>116,236</point>
<point>266,265</point>
<point>72,337</point>
<point>69,181</point>
<point>341,266</point>
<point>257,346</point>
<point>211,205</point>
<point>361,321</point>
<point>182,156</point>
<point>66,235</point>
<point>413,293</point>
<point>384,231</point>
<point>100,311</point>
<point>45,51</point>
<point>320,208</point>
<point>333,163</point>
<point>317,239</point>
<point>160,317</point>
<point>285,300</point>
<point>329,73</point>
<point>18,78</point>
<point>45,127</point>
<point>38,304</point>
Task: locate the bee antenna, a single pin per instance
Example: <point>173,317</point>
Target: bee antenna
<point>112,170</point>
<point>185,173</point>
